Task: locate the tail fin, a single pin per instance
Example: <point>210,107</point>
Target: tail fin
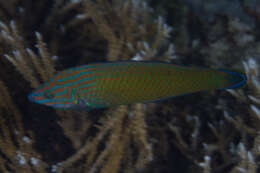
<point>239,78</point>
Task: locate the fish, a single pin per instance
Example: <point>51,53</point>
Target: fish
<point>107,84</point>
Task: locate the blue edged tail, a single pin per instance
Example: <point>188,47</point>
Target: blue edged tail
<point>238,78</point>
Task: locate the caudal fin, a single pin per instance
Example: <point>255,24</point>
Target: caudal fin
<point>238,78</point>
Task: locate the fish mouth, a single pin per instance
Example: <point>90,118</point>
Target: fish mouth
<point>31,97</point>
<point>34,97</point>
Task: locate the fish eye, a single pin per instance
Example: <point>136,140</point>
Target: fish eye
<point>48,95</point>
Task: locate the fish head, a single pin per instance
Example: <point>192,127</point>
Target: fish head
<point>52,94</point>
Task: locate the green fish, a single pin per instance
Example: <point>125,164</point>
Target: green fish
<point>101,85</point>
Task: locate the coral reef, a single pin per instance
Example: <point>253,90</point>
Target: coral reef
<point>209,132</point>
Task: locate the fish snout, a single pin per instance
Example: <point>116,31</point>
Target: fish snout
<point>35,97</point>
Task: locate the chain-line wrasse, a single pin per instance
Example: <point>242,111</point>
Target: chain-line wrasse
<point>115,83</point>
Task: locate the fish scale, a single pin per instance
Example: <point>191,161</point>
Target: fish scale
<point>116,83</point>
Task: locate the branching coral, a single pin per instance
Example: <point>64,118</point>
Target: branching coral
<point>23,57</point>
<point>120,142</point>
<point>17,153</point>
<point>129,28</point>
<point>120,128</point>
<point>248,155</point>
<point>241,154</point>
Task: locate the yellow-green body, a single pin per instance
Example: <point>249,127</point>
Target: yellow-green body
<point>145,82</point>
<point>116,83</point>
